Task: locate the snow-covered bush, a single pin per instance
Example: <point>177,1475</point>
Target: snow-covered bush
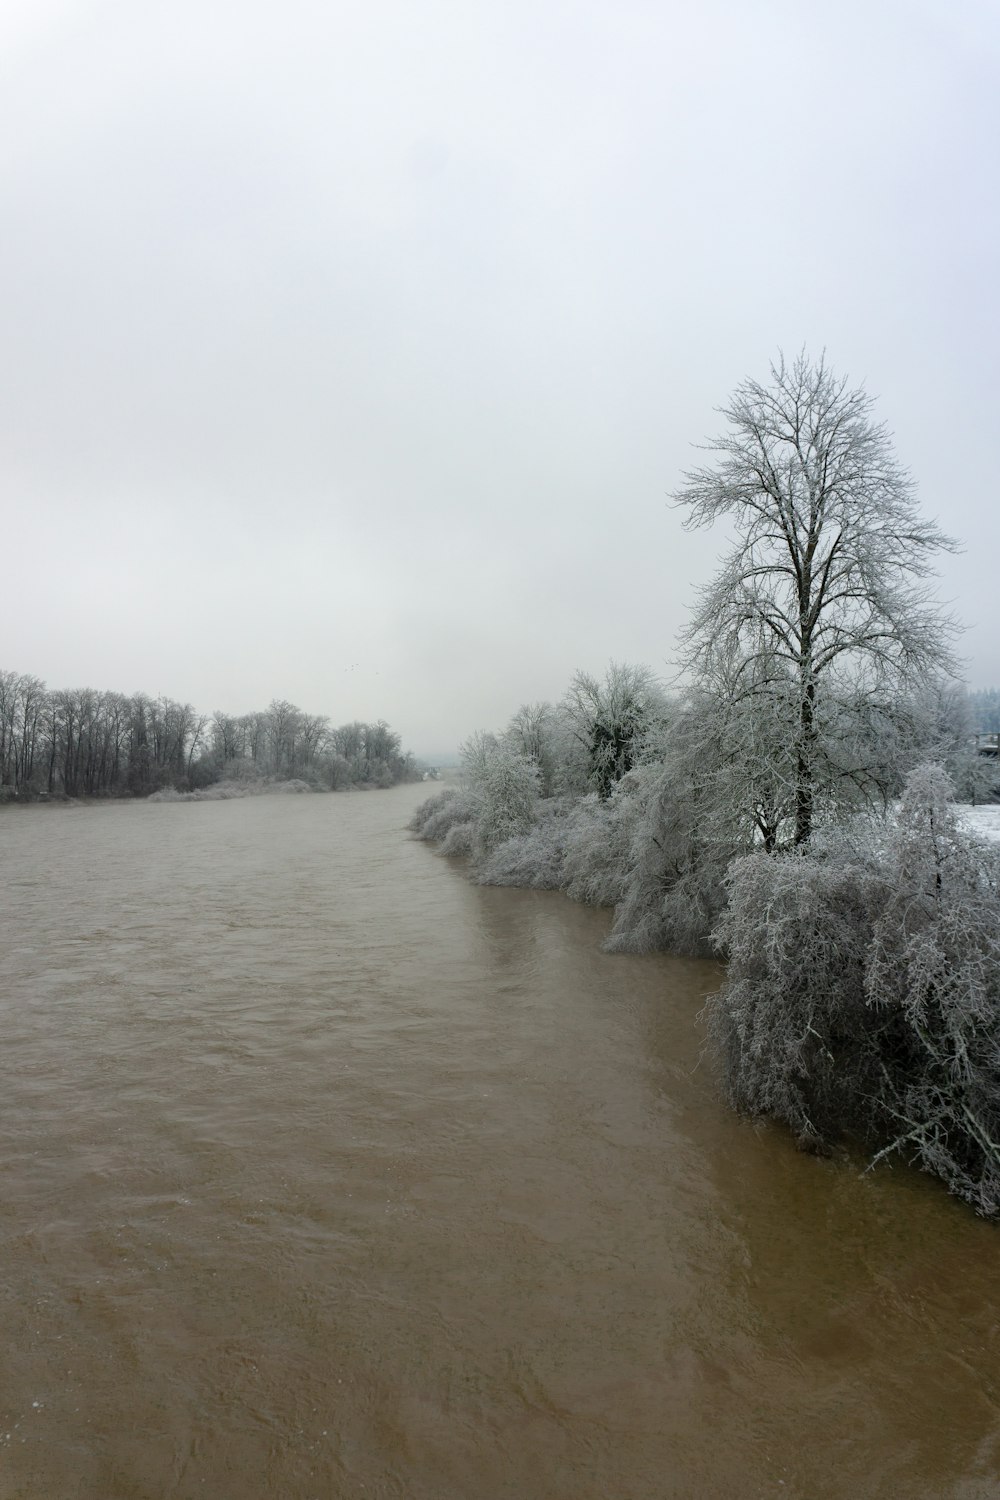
<point>863,992</point>
<point>673,889</point>
<point>598,843</point>
<point>434,819</point>
<point>791,1020</point>
<point>503,784</point>
<point>579,846</point>
<point>696,815</point>
<point>533,859</point>
<point>933,979</point>
<point>498,801</point>
<point>459,839</point>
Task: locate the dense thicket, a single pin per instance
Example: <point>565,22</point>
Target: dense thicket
<point>655,843</point>
<point>82,742</point>
<point>863,990</point>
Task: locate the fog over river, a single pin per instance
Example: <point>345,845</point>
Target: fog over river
<point>328,1173</point>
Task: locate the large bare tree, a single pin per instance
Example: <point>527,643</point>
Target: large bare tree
<point>823,603</point>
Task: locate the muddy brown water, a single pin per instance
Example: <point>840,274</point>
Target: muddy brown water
<point>327,1173</point>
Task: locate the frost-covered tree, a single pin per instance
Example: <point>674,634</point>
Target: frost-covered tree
<point>608,722</point>
<point>504,787</point>
<point>823,598</point>
<point>533,733</point>
<point>23,702</point>
<point>942,725</point>
<point>699,808</point>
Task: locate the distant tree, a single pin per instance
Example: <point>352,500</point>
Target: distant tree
<point>23,701</point>
<point>381,753</point>
<point>198,725</point>
<point>822,603</point>
<point>282,723</point>
<point>8,711</point>
<point>226,741</point>
<point>84,742</point>
<point>348,741</point>
<point>338,773</point>
<point>314,730</point>
<point>944,732</point>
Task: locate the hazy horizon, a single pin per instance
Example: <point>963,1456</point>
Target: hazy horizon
<point>351,354</point>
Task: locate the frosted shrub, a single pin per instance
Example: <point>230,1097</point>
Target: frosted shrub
<point>534,859</point>
<point>703,805</point>
<point>434,819</point>
<point>504,787</point>
<point>673,888</point>
<point>598,842</point>
<point>589,847</point>
<point>459,839</point>
<point>934,981</point>
<point>863,993</point>
<point>581,847</point>
<point>498,802</point>
<point>791,1019</point>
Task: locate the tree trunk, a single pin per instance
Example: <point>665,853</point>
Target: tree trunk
<point>804,768</point>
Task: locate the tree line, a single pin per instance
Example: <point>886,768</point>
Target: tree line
<point>87,743</point>
<point>788,803</point>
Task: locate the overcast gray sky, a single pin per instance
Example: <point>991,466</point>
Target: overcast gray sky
<point>350,352</point>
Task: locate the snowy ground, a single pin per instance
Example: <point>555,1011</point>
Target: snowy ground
<point>984,820</point>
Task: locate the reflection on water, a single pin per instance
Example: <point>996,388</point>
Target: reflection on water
<point>327,1173</point>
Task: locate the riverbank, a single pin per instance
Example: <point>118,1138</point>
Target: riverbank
<point>221,791</point>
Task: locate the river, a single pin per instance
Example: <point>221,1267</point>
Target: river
<point>327,1173</point>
